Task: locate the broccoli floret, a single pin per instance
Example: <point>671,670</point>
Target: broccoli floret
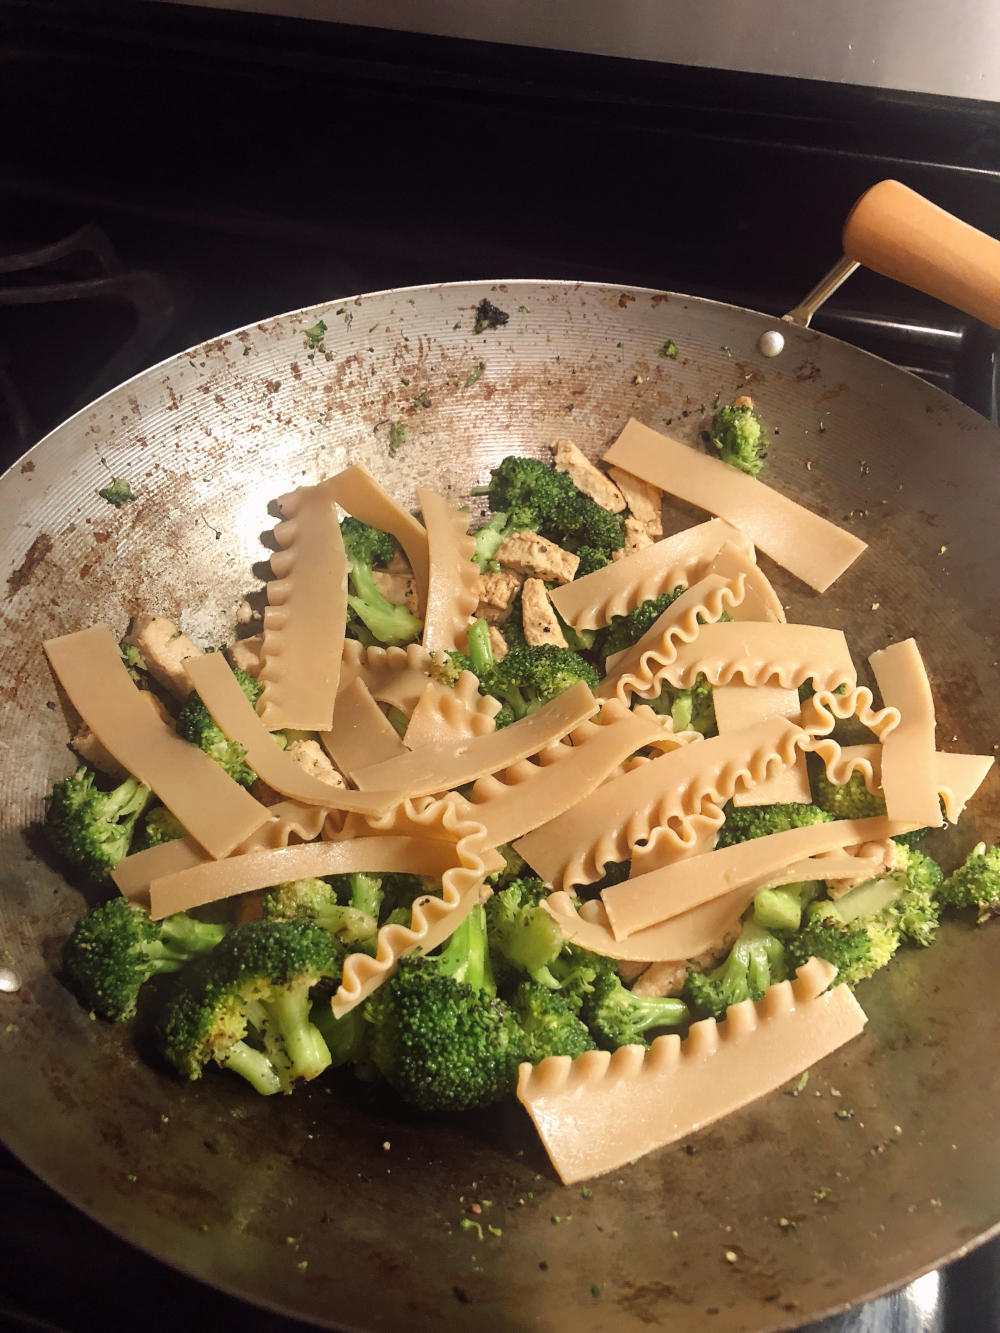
<point>976,882</point>
<point>917,909</point>
<point>848,800</point>
<point>689,710</point>
<point>548,502</point>
<point>114,950</point>
<point>523,937</point>
<point>441,1038</point>
<point>159,825</point>
<point>135,663</point>
<point>616,1017</point>
<point>757,821</point>
<point>856,950</point>
<point>756,961</point>
<point>346,1038</point>
<point>377,894</point>
<point>591,560</point>
<point>91,828</point>
<point>549,1026</point>
<point>197,725</point>
<point>492,535</point>
<point>531,676</point>
<point>367,547</point>
<point>624,631</point>
<point>314,900</point>
<point>118,493</point>
<point>781,908</point>
<point>247,1006</point>
<point>739,439</point>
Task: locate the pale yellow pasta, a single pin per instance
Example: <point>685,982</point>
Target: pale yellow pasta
<point>453,578</point>
<point>908,779</point>
<point>357,491</point>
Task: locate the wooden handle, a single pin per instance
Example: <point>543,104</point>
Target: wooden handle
<point>897,232</point>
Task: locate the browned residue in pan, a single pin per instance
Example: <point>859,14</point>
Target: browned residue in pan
<point>36,553</point>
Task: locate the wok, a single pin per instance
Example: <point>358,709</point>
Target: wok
<point>335,1205</point>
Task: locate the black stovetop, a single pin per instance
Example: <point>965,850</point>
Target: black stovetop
<point>239,166</point>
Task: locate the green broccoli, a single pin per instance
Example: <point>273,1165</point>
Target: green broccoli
<point>91,828</point>
<point>547,502</point>
<point>523,938</point>
<point>549,1026</point>
<point>114,950</point>
<point>492,535</point>
<point>441,1038</point>
<point>757,821</point>
<point>738,438</point>
<point>689,710</point>
<point>529,677</point>
<point>158,826</point>
<point>781,908</point>
<point>856,950</point>
<point>197,725</point>
<point>617,1017</point>
<point>247,1006</point>
<point>314,900</point>
<point>367,547</point>
<point>756,961</point>
<point>976,882</point>
<point>852,800</point>
<point>624,631</point>
<point>346,1038</point>
<point>917,909</point>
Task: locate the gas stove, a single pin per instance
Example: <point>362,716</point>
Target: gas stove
<point>181,173</point>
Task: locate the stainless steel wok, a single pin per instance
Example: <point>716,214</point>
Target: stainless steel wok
<point>336,1205</point>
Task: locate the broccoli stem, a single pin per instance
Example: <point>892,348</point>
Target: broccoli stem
<point>466,956</point>
<point>252,1065</point>
<point>182,936</point>
<point>301,1044</point>
<point>480,648</point>
<point>366,893</point>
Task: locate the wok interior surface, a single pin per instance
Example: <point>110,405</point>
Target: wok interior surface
<point>337,1205</point>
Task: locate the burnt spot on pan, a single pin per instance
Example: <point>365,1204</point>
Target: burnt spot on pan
<point>36,553</point>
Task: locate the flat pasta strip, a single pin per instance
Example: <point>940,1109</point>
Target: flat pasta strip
<point>682,559</point>
<point>361,733</point>
<point>738,706</point>
<point>216,811</point>
<point>957,776</point>
<point>823,710</point>
<point>606,825</point>
<point>760,601</point>
<point>633,671</point>
<point>305,617</point>
<point>762,654</point>
<point>287,820</point>
<point>399,677</point>
<point>908,778</point>
<point>810,547</point>
<point>601,1111</point>
<point>639,903</point>
<point>688,835</point>
<point>234,714</point>
<point>447,713</point>
<point>684,936</point>
<point>439,768</point>
<point>511,803</point>
<point>453,581</point>
<point>357,491</point>
<point>263,868</point>
<point>433,918</point>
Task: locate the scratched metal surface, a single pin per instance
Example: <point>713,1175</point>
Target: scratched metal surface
<point>297,1203</point>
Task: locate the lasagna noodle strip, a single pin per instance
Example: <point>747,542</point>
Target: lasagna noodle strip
<point>361,733</point>
<point>633,670</point>
<point>600,1111</point>
<point>761,654</point>
<point>438,768</point>
<point>453,580</point>
<point>908,783</point>
<point>760,601</point>
<point>215,810</point>
<point>530,793</point>
<point>684,936</point>
<point>233,712</point>
<point>592,601</point>
<point>432,919</point>
<point>287,820</point>
<point>399,677</point>
<point>357,491</point>
<point>808,546</point>
<point>957,776</point>
<point>606,825</point>
<point>738,706</point>
<point>649,899</point>
<point>305,617</point>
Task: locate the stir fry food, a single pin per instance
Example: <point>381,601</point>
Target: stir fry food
<point>561,806</point>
